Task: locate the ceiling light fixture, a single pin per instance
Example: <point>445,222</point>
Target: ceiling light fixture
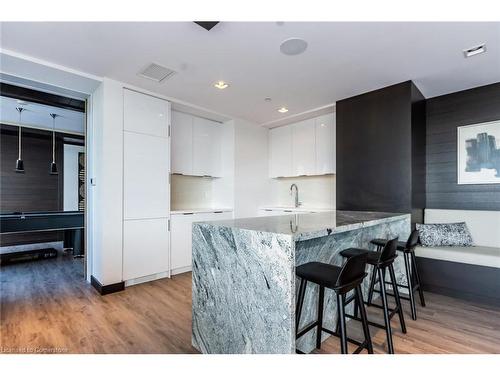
<point>283,110</point>
<point>475,50</point>
<point>53,165</point>
<point>293,46</point>
<point>221,85</point>
<point>19,161</point>
<point>268,99</point>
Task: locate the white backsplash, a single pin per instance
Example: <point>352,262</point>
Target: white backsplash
<point>314,191</point>
<point>190,192</point>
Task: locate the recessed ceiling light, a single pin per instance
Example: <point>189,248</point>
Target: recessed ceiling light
<point>221,85</point>
<point>475,50</point>
<point>283,110</point>
<point>293,46</point>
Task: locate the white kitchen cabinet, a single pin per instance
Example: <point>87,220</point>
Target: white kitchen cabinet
<point>145,176</point>
<point>182,143</point>
<point>145,114</point>
<point>206,148</point>
<point>325,144</point>
<point>145,247</point>
<point>146,186</point>
<point>181,237</point>
<point>306,148</point>
<point>303,148</point>
<point>280,147</point>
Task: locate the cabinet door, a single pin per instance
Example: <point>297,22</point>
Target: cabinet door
<point>206,148</point>
<point>280,147</point>
<point>181,241</point>
<point>146,192</point>
<point>304,148</point>
<point>325,144</point>
<point>182,143</point>
<point>145,248</point>
<point>145,114</point>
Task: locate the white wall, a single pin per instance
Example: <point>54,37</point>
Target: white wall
<point>107,145</point>
<point>251,180</point>
<point>314,191</point>
<point>70,176</point>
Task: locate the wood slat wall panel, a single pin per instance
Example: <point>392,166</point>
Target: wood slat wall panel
<point>444,114</point>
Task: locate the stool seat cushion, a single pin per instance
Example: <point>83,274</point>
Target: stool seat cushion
<point>319,273</point>
<point>382,242</point>
<point>372,257</point>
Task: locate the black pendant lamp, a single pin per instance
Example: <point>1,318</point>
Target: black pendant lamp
<point>53,165</point>
<point>19,161</point>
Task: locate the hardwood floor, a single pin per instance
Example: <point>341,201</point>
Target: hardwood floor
<point>47,307</point>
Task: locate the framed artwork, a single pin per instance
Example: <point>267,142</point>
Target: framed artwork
<point>479,153</point>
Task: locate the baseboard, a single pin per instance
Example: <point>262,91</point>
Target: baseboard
<point>180,270</point>
<point>146,279</point>
<point>460,280</point>
<point>106,289</point>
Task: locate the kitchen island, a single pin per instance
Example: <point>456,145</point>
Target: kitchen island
<point>244,287</point>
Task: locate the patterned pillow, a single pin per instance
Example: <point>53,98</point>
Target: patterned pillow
<point>452,234</point>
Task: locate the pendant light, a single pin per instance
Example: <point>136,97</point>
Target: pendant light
<point>19,161</point>
<point>53,165</point>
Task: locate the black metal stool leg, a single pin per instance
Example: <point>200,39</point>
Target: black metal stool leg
<point>396,297</point>
<point>387,319</point>
<point>300,303</point>
<point>320,316</point>
<point>372,285</point>
<point>410,286</point>
<point>356,305</point>
<point>343,335</point>
<point>364,319</point>
<point>417,277</point>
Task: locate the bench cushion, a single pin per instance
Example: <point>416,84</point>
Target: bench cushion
<point>478,255</point>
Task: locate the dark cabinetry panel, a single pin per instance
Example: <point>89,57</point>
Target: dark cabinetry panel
<point>381,151</point>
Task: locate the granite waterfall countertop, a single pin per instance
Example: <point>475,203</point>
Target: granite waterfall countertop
<point>303,227</point>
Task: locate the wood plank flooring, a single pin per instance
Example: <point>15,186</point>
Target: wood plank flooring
<point>47,307</point>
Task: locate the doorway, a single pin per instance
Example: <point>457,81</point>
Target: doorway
<point>43,175</point>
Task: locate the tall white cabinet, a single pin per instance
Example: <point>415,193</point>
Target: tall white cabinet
<point>305,148</point>
<point>146,186</point>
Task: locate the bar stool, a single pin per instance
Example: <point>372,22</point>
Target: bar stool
<point>382,261</point>
<point>412,275</point>
<point>341,280</point>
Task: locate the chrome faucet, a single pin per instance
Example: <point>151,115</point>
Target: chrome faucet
<point>297,203</point>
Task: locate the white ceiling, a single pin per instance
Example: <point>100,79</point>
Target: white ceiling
<point>342,59</point>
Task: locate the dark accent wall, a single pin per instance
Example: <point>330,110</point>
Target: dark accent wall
<point>444,115</point>
<point>34,190</point>
<point>381,151</point>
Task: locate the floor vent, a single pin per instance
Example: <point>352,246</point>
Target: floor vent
<point>156,72</point>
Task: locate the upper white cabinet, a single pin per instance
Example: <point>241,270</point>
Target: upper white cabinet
<point>280,151</point>
<point>182,143</point>
<point>145,114</point>
<point>325,144</point>
<point>303,148</point>
<point>196,146</point>
<point>206,148</point>
<point>306,148</point>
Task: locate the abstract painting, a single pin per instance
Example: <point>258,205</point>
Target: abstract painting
<point>479,153</point>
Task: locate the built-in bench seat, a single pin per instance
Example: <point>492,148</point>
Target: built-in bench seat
<point>468,272</point>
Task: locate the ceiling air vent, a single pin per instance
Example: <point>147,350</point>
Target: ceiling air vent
<point>156,72</point>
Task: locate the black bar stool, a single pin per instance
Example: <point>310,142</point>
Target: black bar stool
<point>382,261</point>
<point>412,276</point>
<point>341,280</point>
